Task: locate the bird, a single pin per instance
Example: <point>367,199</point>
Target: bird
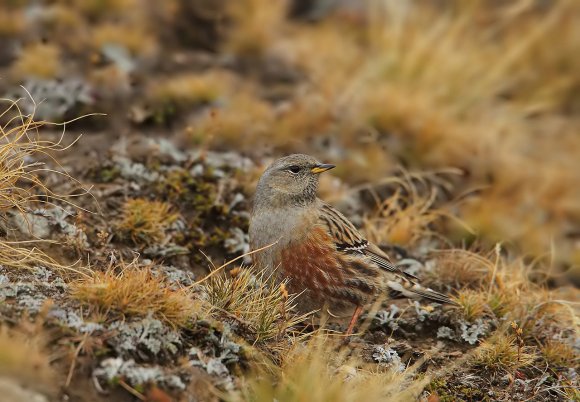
<point>323,257</point>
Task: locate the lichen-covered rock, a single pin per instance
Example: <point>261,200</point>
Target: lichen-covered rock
<point>385,356</point>
<point>31,290</point>
<point>112,369</point>
<point>147,338</point>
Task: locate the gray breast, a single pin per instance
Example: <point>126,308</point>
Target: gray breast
<point>278,226</point>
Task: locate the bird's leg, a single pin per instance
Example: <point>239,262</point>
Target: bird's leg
<point>357,312</point>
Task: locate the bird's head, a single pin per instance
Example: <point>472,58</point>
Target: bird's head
<point>290,181</point>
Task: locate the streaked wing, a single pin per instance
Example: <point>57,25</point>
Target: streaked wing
<point>350,241</point>
<point>345,236</point>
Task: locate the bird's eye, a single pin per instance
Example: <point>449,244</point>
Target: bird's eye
<point>294,169</point>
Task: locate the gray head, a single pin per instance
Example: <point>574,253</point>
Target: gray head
<point>289,181</point>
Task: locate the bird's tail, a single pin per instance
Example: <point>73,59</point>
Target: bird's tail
<point>413,290</point>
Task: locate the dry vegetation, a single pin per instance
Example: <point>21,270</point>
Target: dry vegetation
<point>320,370</point>
<point>24,359</point>
<point>127,289</point>
<point>262,306</point>
<point>454,127</point>
<point>145,222</point>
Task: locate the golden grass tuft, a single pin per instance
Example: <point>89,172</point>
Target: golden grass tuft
<point>189,89</point>
<point>560,354</point>
<point>23,358</point>
<point>256,300</point>
<point>407,216</point>
<point>146,222</point>
<point>12,23</point>
<point>323,371</point>
<point>256,25</point>
<point>542,316</point>
<point>39,60</point>
<point>502,353</point>
<point>129,290</point>
<point>101,8</point>
<point>242,121</point>
<point>463,269</point>
<point>134,38</point>
<point>472,304</point>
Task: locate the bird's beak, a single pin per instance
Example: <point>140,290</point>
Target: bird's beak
<point>322,167</point>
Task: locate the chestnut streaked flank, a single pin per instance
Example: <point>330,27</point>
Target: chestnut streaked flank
<point>317,248</point>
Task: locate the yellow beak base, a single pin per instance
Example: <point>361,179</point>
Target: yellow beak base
<point>323,167</point>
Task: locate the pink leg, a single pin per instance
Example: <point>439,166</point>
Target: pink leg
<point>353,320</point>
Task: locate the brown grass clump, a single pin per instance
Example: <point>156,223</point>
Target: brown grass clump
<point>14,255</point>
<point>407,216</point>
<point>501,352</point>
<point>322,371</point>
<point>21,183</point>
<point>188,89</point>
<point>256,300</point>
<point>12,23</point>
<point>146,222</point>
<point>23,358</point>
<point>100,8</point>
<point>133,290</point>
<point>242,121</point>
<point>472,304</point>
<point>257,25</point>
<point>132,37</point>
<point>40,60</point>
<point>560,354</point>
<point>463,269</point>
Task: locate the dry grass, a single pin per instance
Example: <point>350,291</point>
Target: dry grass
<point>11,23</point>
<point>132,290</point>
<point>256,300</point>
<point>23,357</point>
<point>38,60</point>
<point>22,182</point>
<point>257,24</point>
<point>486,87</point>
<point>507,287</point>
<point>323,371</point>
<point>560,354</point>
<point>16,255</point>
<point>502,353</point>
<point>463,269</point>
<point>21,166</point>
<point>101,8</point>
<point>472,304</point>
<point>189,89</point>
<point>242,121</point>
<point>133,38</point>
<point>146,222</point>
<point>408,215</point>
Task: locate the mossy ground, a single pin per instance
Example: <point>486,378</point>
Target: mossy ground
<point>454,127</point>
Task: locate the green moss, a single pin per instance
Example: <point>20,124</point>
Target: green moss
<point>163,114</point>
<point>107,175</point>
<point>455,393</point>
<point>209,220</point>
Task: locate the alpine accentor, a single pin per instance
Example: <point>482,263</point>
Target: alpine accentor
<point>325,258</point>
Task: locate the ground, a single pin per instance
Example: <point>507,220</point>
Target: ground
<point>124,269</point>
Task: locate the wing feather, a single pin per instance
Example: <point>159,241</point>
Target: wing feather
<point>349,240</point>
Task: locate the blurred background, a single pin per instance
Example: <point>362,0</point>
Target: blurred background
<point>482,97</point>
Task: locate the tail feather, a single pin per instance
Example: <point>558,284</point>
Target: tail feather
<point>414,290</point>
